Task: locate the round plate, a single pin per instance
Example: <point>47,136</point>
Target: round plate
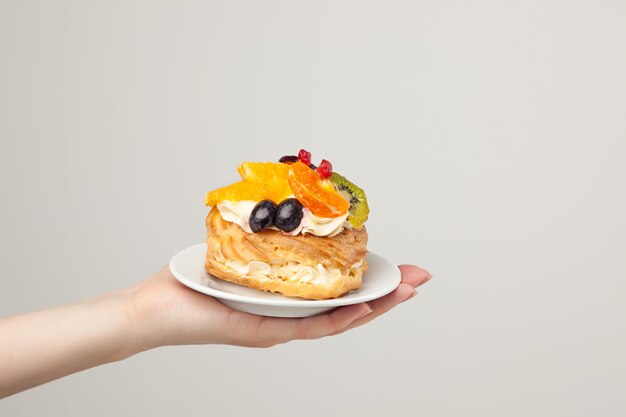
<point>381,278</point>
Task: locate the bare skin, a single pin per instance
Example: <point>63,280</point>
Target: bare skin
<point>41,346</point>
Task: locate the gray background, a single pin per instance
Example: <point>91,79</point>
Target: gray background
<point>489,136</point>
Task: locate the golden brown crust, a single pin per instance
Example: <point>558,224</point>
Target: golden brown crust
<point>344,252</point>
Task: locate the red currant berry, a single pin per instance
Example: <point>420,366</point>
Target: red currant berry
<point>304,157</point>
<point>325,169</point>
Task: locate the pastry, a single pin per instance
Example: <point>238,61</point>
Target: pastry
<point>288,227</point>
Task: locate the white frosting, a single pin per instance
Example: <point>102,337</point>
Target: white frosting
<point>239,212</point>
<point>257,269</point>
<point>316,275</point>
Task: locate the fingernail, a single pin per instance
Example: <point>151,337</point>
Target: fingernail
<point>365,313</point>
<point>413,294</point>
<point>425,280</point>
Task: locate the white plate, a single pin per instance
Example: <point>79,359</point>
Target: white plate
<point>381,278</point>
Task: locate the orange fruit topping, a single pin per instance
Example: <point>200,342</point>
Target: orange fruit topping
<point>316,194</point>
<point>272,175</point>
<point>261,180</point>
<point>264,172</point>
<point>238,191</point>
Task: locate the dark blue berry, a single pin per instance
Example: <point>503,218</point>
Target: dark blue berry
<point>262,215</point>
<point>288,159</point>
<point>288,215</point>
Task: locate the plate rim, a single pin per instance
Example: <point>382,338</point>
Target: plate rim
<point>295,303</point>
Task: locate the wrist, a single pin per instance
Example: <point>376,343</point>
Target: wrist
<point>126,337</point>
<point>144,320</point>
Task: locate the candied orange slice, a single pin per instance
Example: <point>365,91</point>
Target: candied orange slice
<point>272,175</point>
<point>261,180</point>
<point>264,172</point>
<point>316,194</point>
<point>246,190</point>
<point>242,190</point>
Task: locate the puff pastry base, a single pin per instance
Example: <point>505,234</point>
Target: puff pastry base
<point>344,253</point>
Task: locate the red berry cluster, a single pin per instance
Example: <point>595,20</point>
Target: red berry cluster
<point>325,169</point>
<point>304,157</point>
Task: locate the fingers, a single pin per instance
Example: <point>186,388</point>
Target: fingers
<point>413,275</point>
<point>331,323</point>
<point>270,331</point>
<point>282,330</point>
<point>382,305</point>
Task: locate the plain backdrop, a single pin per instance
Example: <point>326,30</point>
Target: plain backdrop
<point>490,138</point>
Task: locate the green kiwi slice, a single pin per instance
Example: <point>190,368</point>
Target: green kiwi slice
<point>359,210</point>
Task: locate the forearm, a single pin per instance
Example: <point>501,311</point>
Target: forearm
<point>45,345</point>
<point>42,346</point>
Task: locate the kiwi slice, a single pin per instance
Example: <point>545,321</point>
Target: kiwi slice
<point>359,210</point>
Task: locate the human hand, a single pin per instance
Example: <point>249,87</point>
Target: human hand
<point>158,311</point>
<point>165,312</point>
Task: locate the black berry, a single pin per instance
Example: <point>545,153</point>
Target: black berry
<point>288,215</point>
<point>262,215</point>
<point>288,159</point>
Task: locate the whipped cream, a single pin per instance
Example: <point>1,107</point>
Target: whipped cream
<point>239,212</point>
<point>316,275</point>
